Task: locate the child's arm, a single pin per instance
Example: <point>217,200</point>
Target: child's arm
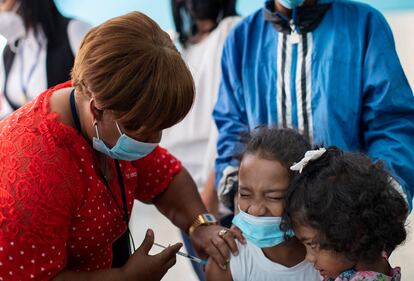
<point>215,273</point>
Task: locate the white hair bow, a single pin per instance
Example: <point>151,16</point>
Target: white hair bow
<point>309,156</point>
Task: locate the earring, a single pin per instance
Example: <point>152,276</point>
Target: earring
<point>95,124</point>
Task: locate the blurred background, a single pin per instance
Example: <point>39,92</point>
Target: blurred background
<point>96,11</point>
<point>400,15</point>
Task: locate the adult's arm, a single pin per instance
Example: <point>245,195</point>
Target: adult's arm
<point>38,197</point>
<point>388,106</point>
<point>181,204</point>
<point>215,273</point>
<point>230,117</point>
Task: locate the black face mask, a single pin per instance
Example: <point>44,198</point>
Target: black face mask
<point>187,12</point>
<point>309,17</point>
<point>205,9</point>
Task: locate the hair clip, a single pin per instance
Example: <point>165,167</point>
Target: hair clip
<point>310,155</point>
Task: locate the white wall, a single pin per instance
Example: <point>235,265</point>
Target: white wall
<point>402,25</point>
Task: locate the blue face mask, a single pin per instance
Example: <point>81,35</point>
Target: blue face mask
<point>264,232</point>
<point>291,4</point>
<point>126,148</point>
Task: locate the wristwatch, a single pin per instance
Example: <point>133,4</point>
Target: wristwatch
<point>203,219</point>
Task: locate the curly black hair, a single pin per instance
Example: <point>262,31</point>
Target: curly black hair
<point>286,146</point>
<point>351,202</point>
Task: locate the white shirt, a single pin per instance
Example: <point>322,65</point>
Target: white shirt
<point>252,265</point>
<point>29,66</point>
<point>193,140</point>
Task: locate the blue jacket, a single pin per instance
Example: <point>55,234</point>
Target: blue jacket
<point>342,84</point>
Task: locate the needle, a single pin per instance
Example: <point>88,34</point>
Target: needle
<point>193,258</point>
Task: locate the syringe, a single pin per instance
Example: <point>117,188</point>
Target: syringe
<point>193,258</point>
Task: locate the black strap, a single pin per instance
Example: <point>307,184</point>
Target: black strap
<point>8,58</point>
<point>59,58</point>
<point>121,248</point>
<point>123,193</point>
<point>75,115</point>
<point>309,17</point>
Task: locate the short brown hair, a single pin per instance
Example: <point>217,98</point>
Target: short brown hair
<point>131,66</point>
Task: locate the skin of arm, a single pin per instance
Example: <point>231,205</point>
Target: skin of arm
<point>180,202</point>
<point>215,273</point>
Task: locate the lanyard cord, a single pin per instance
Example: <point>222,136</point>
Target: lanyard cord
<point>124,212</point>
<point>24,84</point>
<point>125,216</point>
<point>122,187</point>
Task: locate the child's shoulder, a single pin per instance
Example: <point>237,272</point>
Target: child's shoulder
<point>242,264</point>
<point>252,264</point>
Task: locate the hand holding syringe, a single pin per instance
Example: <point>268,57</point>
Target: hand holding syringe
<point>192,258</point>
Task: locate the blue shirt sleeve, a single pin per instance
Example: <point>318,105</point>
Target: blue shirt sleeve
<point>388,105</point>
<point>229,112</point>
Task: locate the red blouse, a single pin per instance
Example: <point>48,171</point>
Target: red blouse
<point>55,211</point>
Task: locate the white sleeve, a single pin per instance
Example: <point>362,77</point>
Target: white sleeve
<point>240,264</point>
<point>76,31</point>
<point>4,105</point>
<point>210,155</point>
<point>3,43</point>
<point>2,71</point>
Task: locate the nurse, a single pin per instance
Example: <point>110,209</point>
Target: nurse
<point>73,160</point>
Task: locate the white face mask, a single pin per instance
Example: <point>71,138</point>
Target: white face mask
<point>12,26</point>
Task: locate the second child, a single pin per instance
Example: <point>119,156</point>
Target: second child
<point>347,212</point>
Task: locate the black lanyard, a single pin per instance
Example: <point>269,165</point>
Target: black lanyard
<point>125,217</point>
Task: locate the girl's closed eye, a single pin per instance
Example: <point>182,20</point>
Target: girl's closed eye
<point>275,194</point>
<point>274,198</point>
<point>245,195</point>
<point>245,192</point>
